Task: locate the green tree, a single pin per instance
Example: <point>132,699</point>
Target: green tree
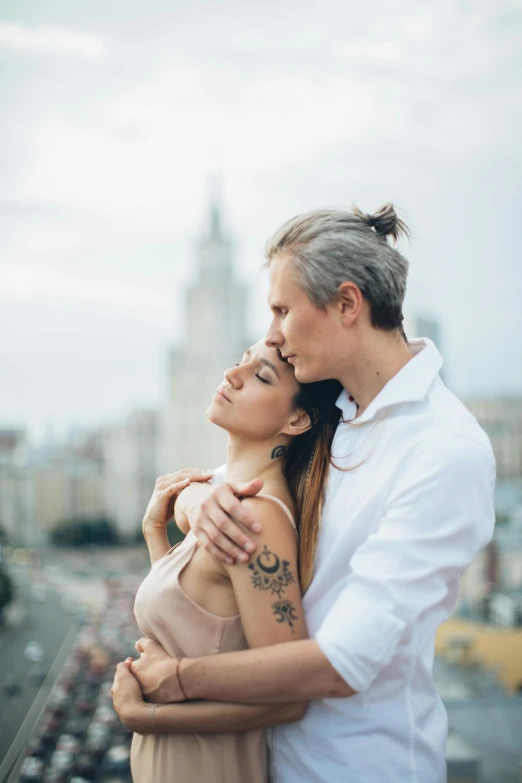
<point>173,532</point>
<point>84,532</point>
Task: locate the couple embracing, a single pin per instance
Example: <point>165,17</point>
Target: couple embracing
<point>290,636</point>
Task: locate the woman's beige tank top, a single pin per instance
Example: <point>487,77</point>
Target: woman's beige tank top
<point>185,629</point>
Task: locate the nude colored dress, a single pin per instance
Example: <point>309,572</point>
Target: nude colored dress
<point>164,612</point>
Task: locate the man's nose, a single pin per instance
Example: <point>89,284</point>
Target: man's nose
<point>274,337</point>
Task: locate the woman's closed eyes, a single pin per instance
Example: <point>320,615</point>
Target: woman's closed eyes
<point>263,380</point>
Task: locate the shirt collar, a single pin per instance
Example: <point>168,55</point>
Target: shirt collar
<point>410,384</point>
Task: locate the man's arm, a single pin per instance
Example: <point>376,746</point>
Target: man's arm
<point>281,673</point>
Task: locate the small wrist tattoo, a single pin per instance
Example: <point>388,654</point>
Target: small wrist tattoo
<point>152,715</point>
<point>278,452</point>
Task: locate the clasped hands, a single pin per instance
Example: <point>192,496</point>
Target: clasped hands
<point>149,678</point>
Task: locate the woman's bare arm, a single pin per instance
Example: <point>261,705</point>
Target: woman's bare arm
<point>161,508</point>
<point>208,717</point>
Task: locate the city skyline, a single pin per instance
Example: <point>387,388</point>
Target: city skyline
<point>114,119</point>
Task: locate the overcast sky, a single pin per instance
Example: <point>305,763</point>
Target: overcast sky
<point>113,113</point>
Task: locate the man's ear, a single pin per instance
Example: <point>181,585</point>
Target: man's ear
<point>349,302</point>
<point>299,422</point>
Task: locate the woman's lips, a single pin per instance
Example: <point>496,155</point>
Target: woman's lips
<point>221,394</point>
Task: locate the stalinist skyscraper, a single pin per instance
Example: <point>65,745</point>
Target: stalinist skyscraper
<point>217,335</point>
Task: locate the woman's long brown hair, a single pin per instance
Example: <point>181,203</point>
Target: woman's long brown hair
<point>306,466</point>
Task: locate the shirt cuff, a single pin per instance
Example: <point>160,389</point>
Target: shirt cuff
<point>359,638</point>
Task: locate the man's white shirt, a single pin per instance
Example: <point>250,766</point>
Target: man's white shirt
<point>406,510</point>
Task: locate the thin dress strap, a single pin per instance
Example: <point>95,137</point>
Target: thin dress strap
<point>284,507</point>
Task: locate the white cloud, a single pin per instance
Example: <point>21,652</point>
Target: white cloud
<point>35,40</point>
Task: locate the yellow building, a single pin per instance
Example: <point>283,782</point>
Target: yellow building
<point>467,642</point>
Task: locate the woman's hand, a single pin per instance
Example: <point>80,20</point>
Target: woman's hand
<point>161,505</point>
<point>127,700</point>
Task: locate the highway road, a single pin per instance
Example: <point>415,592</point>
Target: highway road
<point>70,579</point>
<point>45,622</point>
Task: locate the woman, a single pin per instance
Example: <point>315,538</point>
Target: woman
<point>193,605</point>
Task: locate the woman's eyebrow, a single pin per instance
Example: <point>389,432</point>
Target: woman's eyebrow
<point>271,366</point>
<point>266,362</point>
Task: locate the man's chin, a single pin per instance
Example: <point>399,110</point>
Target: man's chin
<point>306,375</point>
<point>303,375</point>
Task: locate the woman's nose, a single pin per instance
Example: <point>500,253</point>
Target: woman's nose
<point>233,377</point>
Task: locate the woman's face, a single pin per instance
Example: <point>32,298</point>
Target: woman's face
<point>255,400</point>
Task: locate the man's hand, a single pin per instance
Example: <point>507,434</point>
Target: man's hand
<point>161,505</point>
<point>216,521</point>
<point>155,671</point>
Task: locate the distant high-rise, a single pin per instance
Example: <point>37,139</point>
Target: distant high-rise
<point>501,418</point>
<point>216,315</point>
<point>421,325</point>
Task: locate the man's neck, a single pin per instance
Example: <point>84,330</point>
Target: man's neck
<point>378,360</point>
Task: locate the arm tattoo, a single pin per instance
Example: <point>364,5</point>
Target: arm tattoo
<point>278,452</point>
<point>271,573</point>
<point>284,612</point>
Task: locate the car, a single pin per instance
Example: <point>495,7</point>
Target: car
<point>76,725</point>
<point>62,759</point>
<point>85,765</point>
<point>31,769</point>
<point>55,775</point>
<point>58,696</point>
<point>39,592</point>
<point>36,747</point>
<point>104,694</point>
<point>97,745</point>
<point>36,675</point>
<point>97,729</point>
<point>49,730</point>
<point>117,759</point>
<point>10,686</point>
<point>105,715</point>
<point>34,652</point>
<point>84,704</point>
<point>68,743</point>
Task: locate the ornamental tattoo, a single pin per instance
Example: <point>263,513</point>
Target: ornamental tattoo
<point>278,452</point>
<point>271,573</point>
<point>284,612</point>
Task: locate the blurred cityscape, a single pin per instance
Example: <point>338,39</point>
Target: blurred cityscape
<point>72,556</point>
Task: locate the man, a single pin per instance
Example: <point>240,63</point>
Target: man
<point>409,503</point>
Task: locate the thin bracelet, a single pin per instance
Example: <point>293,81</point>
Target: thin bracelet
<point>179,679</point>
<point>152,711</point>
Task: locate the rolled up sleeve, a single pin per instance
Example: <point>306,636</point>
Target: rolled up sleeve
<point>438,515</point>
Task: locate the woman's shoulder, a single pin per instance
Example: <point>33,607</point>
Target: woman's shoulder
<point>271,507</point>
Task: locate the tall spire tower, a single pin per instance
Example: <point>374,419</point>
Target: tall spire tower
<point>216,337</point>
<point>216,301</point>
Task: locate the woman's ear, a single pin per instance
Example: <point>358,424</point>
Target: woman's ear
<point>299,422</point>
